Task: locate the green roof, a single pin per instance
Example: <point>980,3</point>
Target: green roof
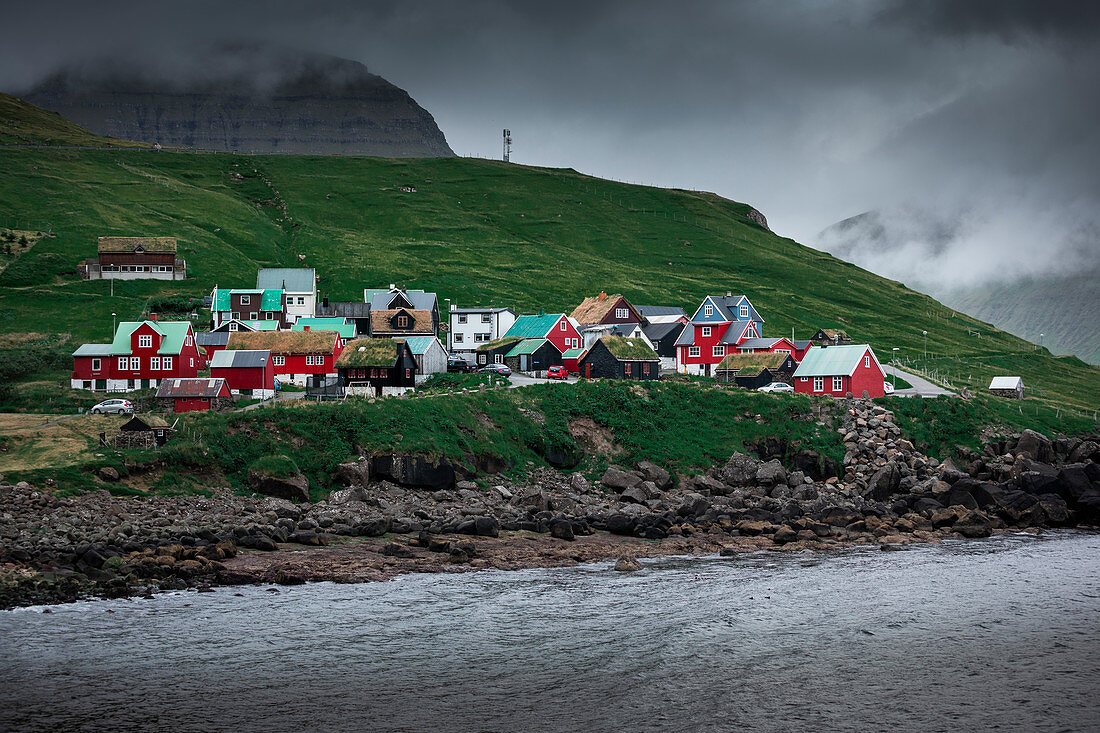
<point>262,325</point>
<point>174,333</point>
<point>420,344</point>
<point>527,346</point>
<point>832,361</point>
<point>572,353</point>
<point>629,348</point>
<point>533,327</point>
<point>271,299</point>
<point>498,343</point>
<point>346,330</point>
<point>369,352</point>
<point>758,361</point>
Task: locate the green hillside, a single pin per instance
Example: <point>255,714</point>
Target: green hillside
<point>24,124</point>
<point>476,231</point>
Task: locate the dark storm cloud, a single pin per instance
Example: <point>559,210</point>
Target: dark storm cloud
<point>977,118</point>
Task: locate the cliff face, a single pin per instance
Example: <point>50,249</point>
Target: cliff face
<point>247,99</point>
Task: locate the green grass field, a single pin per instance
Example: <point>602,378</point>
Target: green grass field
<point>478,232</point>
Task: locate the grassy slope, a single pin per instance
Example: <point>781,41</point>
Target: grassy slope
<point>477,232</point>
<point>24,124</point>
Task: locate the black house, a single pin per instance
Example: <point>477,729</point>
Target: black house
<point>377,367</point>
<point>616,357</point>
<point>533,355</point>
<point>495,351</point>
<point>663,337</point>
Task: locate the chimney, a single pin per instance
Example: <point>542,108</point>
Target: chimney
<point>153,316</point>
<point>729,293</point>
<point>305,328</point>
<point>603,296</point>
<point>393,286</point>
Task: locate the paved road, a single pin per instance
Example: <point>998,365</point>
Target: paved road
<point>921,386</point>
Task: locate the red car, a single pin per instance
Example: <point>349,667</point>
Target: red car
<point>557,372</point>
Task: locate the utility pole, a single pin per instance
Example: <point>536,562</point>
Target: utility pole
<point>925,344</point>
<point>507,145</point>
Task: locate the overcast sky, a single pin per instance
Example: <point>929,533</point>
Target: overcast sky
<point>976,120</point>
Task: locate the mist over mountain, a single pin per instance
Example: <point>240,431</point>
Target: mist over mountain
<point>243,97</point>
<point>1044,297</point>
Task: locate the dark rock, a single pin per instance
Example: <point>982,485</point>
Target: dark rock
<point>353,473</point>
<point>306,538</point>
<point>619,480</point>
<point>708,486</point>
<point>693,505</point>
<point>884,483</point>
<point>634,494</point>
<point>285,577</point>
<point>375,527</point>
<point>562,530</point>
<point>973,524</point>
<point>534,499</point>
<point>620,524</point>
<point>740,470</point>
<point>108,473</point>
<point>486,527</point>
<point>1085,451</point>
<point>838,516</point>
<point>986,494</point>
<point>1073,482</point>
<point>395,549</point>
<point>627,564</point>
<point>926,505</point>
<point>661,478</point>
<point>413,471</point>
<point>814,465</point>
<point>1055,509</point>
<point>771,473</point>
<point>1036,445</point>
<point>783,535</point>
<point>960,495</point>
<point>1015,505</point>
<point>294,488</point>
<point>258,542</point>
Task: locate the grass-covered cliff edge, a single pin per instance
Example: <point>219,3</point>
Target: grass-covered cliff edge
<point>475,231</point>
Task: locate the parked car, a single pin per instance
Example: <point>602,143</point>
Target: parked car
<point>777,387</point>
<point>557,372</point>
<point>500,369</point>
<point>888,387</point>
<point>116,406</point>
<point>459,365</point>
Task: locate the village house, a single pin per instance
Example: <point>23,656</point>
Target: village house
<point>249,306</point>
<point>429,354</point>
<point>663,336</point>
<point>759,345</point>
<point>134,258</point>
<point>1011,387</point>
<point>606,310</point>
<point>495,351</point>
<point>840,371</point>
<point>412,302</point>
<point>830,337</point>
<point>615,357</point>
<point>571,359</point>
<point>754,370</point>
<point>345,330</point>
<point>245,372</point>
<point>716,328</point>
<point>143,431</point>
<point>304,358</point>
<point>193,395</point>
<point>533,356</point>
<point>356,313</point>
<point>401,323</point>
<point>472,327</point>
<point>299,284</point>
<point>800,349</point>
<point>556,328</point>
<point>654,314</point>
<point>140,356</point>
<point>377,367</point>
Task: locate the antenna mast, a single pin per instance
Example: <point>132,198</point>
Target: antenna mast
<point>507,145</point>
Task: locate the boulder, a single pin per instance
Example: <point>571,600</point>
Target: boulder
<point>1055,509</point>
<point>344,496</point>
<point>1036,445</point>
<point>620,524</point>
<point>562,530</point>
<point>372,527</point>
<point>884,482</point>
<point>946,516</point>
<point>708,486</point>
<point>986,494</point>
<point>535,500</point>
<point>973,524</point>
<point>306,538</point>
<point>634,494</point>
<point>959,494</point>
<point>294,487</point>
<point>1016,506</point>
<point>1073,482</point>
<point>352,473</point>
<point>627,564</point>
<point>771,473</point>
<point>486,527</point>
<point>395,549</point>
<point>783,535</point>
<point>926,505</point>
<point>740,470</point>
<point>108,474</point>
<point>1085,451</point>
<point>693,505</point>
<point>618,480</point>
<point>652,472</point>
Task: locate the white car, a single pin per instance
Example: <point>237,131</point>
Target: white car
<point>119,407</point>
<point>889,388</point>
<point>777,387</point>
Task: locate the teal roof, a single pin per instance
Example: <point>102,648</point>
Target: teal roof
<point>271,300</point>
<point>527,346</point>
<point>93,350</point>
<point>339,325</point>
<point>262,325</point>
<point>420,344</point>
<point>173,331</point>
<point>833,361</point>
<point>572,353</point>
<point>534,327</point>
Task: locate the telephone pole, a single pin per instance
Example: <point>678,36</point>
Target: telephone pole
<point>507,145</point>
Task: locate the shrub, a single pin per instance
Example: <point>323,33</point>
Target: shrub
<point>280,466</point>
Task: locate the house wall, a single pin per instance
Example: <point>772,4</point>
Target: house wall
<point>184,364</point>
<point>299,305</point>
<point>564,339</point>
<point>631,315</point>
<point>868,378</point>
<point>432,361</point>
<point>599,362</point>
<point>246,378</point>
<point>1010,393</point>
<point>489,356</point>
<point>498,325</point>
<point>704,362</point>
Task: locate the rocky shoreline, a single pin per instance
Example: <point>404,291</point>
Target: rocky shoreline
<point>56,549</point>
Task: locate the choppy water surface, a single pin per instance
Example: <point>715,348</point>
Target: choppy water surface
<point>999,634</point>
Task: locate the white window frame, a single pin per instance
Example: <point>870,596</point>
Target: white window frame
<point>301,300</point>
<point>245,300</point>
<point>838,384</point>
<point>154,363</point>
<point>486,317</point>
<point>124,363</point>
<point>819,384</point>
<point>708,310</point>
<point>622,313</point>
<point>186,340</point>
<point>96,365</point>
<point>498,358</point>
<point>269,316</point>
<point>233,326</point>
<point>279,360</point>
<point>166,363</point>
<point>744,311</point>
<point>705,332</point>
<point>576,343</point>
<point>145,341</point>
<point>866,361</point>
<point>562,324</point>
<point>462,318</point>
<point>718,351</point>
<point>253,316</point>
<point>693,351</point>
<point>135,363</point>
<point>457,338</point>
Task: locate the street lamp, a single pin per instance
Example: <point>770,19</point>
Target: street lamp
<point>449,324</point>
<point>113,324</point>
<point>1040,341</point>
<point>895,374</point>
<point>925,344</point>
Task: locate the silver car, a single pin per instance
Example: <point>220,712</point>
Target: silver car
<point>777,387</point>
<point>116,406</point>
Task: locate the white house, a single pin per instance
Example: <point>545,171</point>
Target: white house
<point>299,284</point>
<point>429,354</point>
<point>592,334</point>
<point>472,327</point>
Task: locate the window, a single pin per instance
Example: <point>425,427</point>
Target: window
<point>744,310</point>
<point>457,338</point>
<point>123,362</point>
<point>278,360</point>
<point>561,324</point>
<point>135,363</point>
<point>482,358</point>
<point>301,301</point>
<point>245,300</point>
<point>192,361</point>
<point>253,316</point>
<point>269,316</point>
<point>706,332</point>
<point>628,369</point>
<point>838,384</point>
<point>233,326</point>
<point>645,368</point>
<point>402,321</point>
<point>783,351</point>
<point>462,318</point>
<point>408,373</point>
<point>693,351</point>
<point>708,310</point>
<point>154,363</point>
<point>498,358</point>
<point>145,341</point>
<point>235,315</point>
<point>483,337</point>
<point>486,318</point>
<point>718,351</point>
<point>187,340</point>
<point>622,313</point>
<point>167,361</point>
<point>867,361</point>
<point>819,384</point>
<point>576,343</point>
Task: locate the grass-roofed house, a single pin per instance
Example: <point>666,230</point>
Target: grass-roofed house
<point>399,312</point>
<point>616,357</point>
<point>134,258</point>
<point>495,351</point>
<point>377,367</point>
<point>754,370</point>
<point>305,358</point>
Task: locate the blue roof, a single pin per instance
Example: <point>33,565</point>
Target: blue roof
<point>291,279</point>
<point>420,344</point>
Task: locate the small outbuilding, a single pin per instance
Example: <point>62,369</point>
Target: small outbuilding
<point>754,370</point>
<point>616,357</point>
<point>430,356</point>
<point>144,431</point>
<point>248,372</point>
<point>193,395</point>
<point>533,355</point>
<point>495,351</point>
<point>1011,387</point>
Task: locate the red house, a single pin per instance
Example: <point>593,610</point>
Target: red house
<point>193,395</point>
<point>142,354</point>
<point>840,371</point>
<point>718,326</point>
<point>556,328</point>
<point>245,372</point>
<point>305,358</point>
